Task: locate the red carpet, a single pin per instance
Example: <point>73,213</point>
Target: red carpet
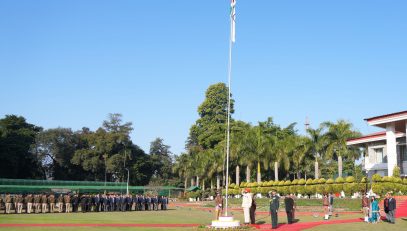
<point>100,225</point>
<point>401,211</point>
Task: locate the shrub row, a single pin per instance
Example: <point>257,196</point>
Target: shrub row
<point>379,184</point>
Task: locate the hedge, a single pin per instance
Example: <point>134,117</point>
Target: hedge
<point>379,184</point>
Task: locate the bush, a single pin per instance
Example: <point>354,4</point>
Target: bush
<point>309,181</point>
<point>376,178</point>
<point>301,182</point>
<point>337,188</point>
<point>321,181</point>
<point>294,182</point>
<point>339,180</point>
<point>396,171</point>
<point>350,179</point>
<point>287,183</point>
<point>315,181</point>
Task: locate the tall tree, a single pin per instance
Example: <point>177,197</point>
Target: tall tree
<point>210,128</point>
<point>55,149</point>
<point>162,158</point>
<point>318,145</point>
<point>337,135</point>
<point>16,157</point>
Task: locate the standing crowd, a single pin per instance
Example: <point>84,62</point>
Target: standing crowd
<point>50,203</point>
<point>371,209</point>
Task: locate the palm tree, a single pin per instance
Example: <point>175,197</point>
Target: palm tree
<point>181,168</point>
<point>300,154</point>
<point>237,145</point>
<point>257,147</point>
<point>317,142</point>
<point>337,135</point>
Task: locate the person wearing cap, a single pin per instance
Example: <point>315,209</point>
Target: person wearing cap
<point>365,206</point>
<point>246,204</point>
<point>219,205</point>
<point>274,206</point>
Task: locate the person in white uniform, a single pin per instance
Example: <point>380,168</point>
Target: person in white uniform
<point>246,204</point>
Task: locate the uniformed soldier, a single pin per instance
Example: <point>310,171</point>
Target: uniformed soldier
<point>14,202</point>
<point>51,202</point>
<point>60,202</point>
<point>274,206</point>
<point>37,203</point>
<point>67,201</point>
<point>29,202</point>
<point>8,203</point>
<point>44,204</point>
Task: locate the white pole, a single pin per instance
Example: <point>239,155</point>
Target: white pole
<point>228,115</point>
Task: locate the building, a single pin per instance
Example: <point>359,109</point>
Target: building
<point>386,149</point>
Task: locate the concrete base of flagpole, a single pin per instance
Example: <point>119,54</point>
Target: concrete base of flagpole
<point>225,222</point>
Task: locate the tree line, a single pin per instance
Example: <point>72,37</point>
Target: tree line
<point>276,153</point>
<point>259,152</point>
<point>28,151</point>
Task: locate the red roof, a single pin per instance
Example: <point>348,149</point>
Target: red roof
<point>386,116</point>
<point>372,135</point>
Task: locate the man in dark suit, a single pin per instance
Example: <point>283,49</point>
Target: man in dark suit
<point>392,208</point>
<point>83,203</point>
<point>289,208</point>
<point>75,203</point>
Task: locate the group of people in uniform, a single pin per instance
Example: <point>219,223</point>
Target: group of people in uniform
<point>50,203</point>
<point>249,207</point>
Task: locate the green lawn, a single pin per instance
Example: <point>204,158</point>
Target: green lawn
<point>401,224</point>
<point>177,215</point>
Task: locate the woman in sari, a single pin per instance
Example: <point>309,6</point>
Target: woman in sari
<point>374,213</point>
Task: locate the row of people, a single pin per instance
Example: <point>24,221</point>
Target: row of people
<point>50,203</point>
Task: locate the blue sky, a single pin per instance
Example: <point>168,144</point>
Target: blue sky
<point>70,63</point>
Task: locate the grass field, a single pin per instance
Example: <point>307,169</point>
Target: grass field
<point>175,215</point>
<point>401,225</point>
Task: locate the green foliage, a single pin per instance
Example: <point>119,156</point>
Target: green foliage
<point>17,159</point>
<point>330,181</point>
<point>376,178</point>
<point>396,171</point>
<point>350,179</point>
<point>162,159</point>
<point>339,180</point>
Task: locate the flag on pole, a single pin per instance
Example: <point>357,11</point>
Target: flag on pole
<point>232,20</point>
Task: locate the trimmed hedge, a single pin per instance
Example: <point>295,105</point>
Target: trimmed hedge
<point>379,184</point>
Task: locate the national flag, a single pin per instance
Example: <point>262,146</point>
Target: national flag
<point>233,20</point>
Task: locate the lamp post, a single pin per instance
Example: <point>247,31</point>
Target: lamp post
<point>128,175</point>
<point>128,172</point>
<point>104,157</point>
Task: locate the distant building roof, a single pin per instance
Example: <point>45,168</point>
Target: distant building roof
<point>193,189</point>
<point>377,136</point>
<point>391,115</point>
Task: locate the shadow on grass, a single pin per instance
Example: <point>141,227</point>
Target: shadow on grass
<point>260,222</point>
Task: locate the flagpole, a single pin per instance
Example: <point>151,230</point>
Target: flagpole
<point>228,112</point>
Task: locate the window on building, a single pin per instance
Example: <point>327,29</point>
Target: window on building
<point>403,153</point>
<point>381,157</point>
